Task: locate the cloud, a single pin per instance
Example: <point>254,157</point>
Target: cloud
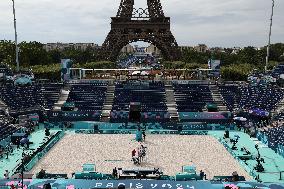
<point>213,22</point>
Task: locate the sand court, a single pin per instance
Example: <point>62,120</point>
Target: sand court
<point>167,152</point>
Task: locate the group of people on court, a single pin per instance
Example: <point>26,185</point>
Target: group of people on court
<point>139,154</point>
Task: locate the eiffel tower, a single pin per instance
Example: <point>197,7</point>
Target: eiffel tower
<point>148,25</point>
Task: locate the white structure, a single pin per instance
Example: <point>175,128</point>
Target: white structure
<point>64,46</point>
<point>127,49</point>
<point>201,48</point>
<point>152,49</point>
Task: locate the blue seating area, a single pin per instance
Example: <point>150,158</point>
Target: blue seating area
<point>151,95</point>
<point>192,97</point>
<point>274,137</point>
<point>230,94</point>
<point>20,98</point>
<point>127,62</point>
<point>6,128</point>
<point>88,97</point>
<point>251,97</point>
<point>28,98</point>
<point>265,98</point>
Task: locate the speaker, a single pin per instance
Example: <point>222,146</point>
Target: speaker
<point>135,106</point>
<point>135,112</point>
<point>134,116</point>
<point>180,127</point>
<point>96,128</point>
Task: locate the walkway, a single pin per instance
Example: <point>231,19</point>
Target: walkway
<point>274,163</point>
<point>38,138</point>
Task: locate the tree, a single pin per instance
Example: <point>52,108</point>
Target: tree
<point>276,52</point>
<point>7,52</point>
<point>33,53</point>
<point>55,56</point>
<point>237,72</point>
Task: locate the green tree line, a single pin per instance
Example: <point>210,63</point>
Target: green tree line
<point>33,53</point>
<point>234,66</point>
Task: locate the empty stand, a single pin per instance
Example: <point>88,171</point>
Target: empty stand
<point>192,97</point>
<point>29,98</point>
<point>231,95</point>
<point>21,98</point>
<point>88,97</point>
<point>151,95</point>
<point>6,128</point>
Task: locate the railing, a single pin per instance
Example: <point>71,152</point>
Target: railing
<point>38,156</point>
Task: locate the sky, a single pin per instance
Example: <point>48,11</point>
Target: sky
<point>216,23</point>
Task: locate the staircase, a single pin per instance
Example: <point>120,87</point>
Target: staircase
<point>3,106</point>
<point>171,102</point>
<point>63,96</point>
<point>217,98</point>
<point>279,108</point>
<point>108,103</point>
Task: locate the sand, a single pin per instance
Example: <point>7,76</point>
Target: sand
<point>167,152</point>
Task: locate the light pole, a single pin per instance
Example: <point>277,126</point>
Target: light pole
<point>269,37</point>
<point>16,38</point>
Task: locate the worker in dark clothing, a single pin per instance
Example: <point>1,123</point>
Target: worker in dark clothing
<point>201,174</point>
<point>114,172</point>
<point>144,135</point>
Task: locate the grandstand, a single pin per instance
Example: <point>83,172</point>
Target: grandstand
<point>87,97</point>
<point>157,118</point>
<point>151,95</point>
<point>65,140</point>
<point>192,97</point>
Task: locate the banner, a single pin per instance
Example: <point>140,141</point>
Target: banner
<point>65,69</point>
<point>55,116</point>
<point>204,116</point>
<point>133,184</point>
<point>214,64</point>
